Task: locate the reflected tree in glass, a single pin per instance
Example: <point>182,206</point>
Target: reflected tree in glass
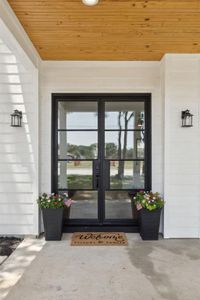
<point>122,151</point>
<point>111,150</point>
<point>82,151</point>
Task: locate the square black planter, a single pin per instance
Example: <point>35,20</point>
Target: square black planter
<point>53,223</point>
<point>149,224</point>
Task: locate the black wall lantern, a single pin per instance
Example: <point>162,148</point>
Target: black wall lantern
<point>16,118</point>
<point>187,118</point>
<point>140,122</point>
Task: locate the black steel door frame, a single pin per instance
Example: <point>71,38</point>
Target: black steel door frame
<point>125,225</point>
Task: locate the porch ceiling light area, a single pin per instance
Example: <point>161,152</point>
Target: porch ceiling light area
<point>90,2</point>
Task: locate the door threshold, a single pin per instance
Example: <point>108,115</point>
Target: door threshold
<point>74,228</point>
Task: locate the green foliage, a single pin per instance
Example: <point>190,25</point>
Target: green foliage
<point>82,151</point>
<point>148,200</point>
<point>111,150</point>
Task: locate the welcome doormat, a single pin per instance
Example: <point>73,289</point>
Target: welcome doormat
<point>99,239</point>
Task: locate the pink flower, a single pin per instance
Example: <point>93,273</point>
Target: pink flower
<point>68,202</point>
<point>138,206</point>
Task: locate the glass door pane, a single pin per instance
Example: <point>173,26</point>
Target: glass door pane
<point>116,149</point>
<point>84,205</point>
<point>124,156</point>
<point>77,152</point>
<point>77,115</point>
<point>124,115</point>
<point>126,175</point>
<point>118,205</point>
<point>75,175</point>
<point>77,144</point>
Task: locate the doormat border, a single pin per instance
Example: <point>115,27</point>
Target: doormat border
<point>95,239</point>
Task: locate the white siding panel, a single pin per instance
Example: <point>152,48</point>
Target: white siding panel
<point>13,69</point>
<point>25,108</point>
<point>15,177</point>
<point>16,157</point>
<point>16,78</point>
<point>9,229</point>
<point>13,197</point>
<point>17,209</point>
<point>182,145</point>
<point>8,59</point>
<point>16,187</point>
<point>181,232</point>
<point>18,219</point>
<point>18,147</point>
<point>20,168</point>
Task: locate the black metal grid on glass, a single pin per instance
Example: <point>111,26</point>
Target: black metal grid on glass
<point>102,187</point>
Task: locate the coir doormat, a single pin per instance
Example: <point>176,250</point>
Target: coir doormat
<point>99,239</point>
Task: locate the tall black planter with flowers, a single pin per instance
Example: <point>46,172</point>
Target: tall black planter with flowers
<point>52,211</point>
<point>149,206</point>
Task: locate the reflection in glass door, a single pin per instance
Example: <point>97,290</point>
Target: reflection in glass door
<point>124,156</point>
<point>101,156</point>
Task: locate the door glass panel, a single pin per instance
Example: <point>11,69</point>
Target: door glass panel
<point>77,115</point>
<point>118,205</point>
<point>124,115</point>
<point>75,174</point>
<point>77,144</point>
<point>124,144</point>
<point>84,205</point>
<point>126,175</point>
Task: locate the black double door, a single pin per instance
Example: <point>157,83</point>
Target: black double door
<point>101,155</point>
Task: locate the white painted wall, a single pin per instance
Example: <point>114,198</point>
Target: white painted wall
<point>100,77</point>
<point>182,146</point>
<point>18,146</point>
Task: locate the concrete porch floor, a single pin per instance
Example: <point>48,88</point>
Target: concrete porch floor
<point>149,270</point>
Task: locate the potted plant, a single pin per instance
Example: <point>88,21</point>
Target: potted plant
<point>149,205</point>
<point>52,206</point>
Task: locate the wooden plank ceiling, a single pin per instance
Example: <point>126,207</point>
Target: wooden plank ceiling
<point>111,30</point>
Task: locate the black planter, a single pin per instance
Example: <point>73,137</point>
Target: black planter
<point>53,222</point>
<point>149,224</point>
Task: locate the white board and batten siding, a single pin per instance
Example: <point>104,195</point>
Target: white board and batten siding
<point>182,147</point>
<point>18,146</point>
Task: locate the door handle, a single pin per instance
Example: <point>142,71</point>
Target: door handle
<point>96,174</point>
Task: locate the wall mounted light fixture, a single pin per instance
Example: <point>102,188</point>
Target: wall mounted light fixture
<point>90,2</point>
<point>16,118</point>
<point>140,122</point>
<point>187,118</point>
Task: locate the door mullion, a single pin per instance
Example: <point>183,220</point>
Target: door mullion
<point>101,205</point>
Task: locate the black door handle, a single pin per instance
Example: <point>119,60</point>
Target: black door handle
<point>96,174</point>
